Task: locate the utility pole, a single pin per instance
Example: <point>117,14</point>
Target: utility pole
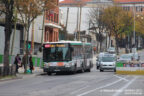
<point>80,22</point>
<point>43,28</point>
<point>134,34</point>
<point>67,23</point>
<point>32,38</point>
<point>77,23</point>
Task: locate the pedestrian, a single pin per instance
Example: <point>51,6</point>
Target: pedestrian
<point>17,62</point>
<point>31,64</point>
<point>24,62</point>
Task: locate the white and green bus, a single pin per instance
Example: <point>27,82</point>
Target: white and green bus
<point>67,56</point>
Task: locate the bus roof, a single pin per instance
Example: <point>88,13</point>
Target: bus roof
<point>71,42</point>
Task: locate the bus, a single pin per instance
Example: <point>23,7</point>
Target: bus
<point>67,56</point>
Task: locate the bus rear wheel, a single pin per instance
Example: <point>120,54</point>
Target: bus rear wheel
<point>49,73</point>
<point>88,70</point>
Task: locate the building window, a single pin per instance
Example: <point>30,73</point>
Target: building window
<point>55,17</point>
<point>126,8</point>
<point>139,9</point>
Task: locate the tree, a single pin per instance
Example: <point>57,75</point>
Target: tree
<point>7,9</point>
<point>29,10</point>
<point>117,21</point>
<point>96,17</point>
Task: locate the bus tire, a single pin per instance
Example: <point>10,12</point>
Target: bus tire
<point>82,70</point>
<point>88,70</point>
<point>49,73</point>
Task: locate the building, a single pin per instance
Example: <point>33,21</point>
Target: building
<point>70,8</point>
<point>51,32</point>
<point>131,5</point>
<point>52,25</point>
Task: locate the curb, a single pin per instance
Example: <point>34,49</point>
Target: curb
<point>9,79</point>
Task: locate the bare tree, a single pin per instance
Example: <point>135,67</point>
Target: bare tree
<point>29,10</point>
<point>95,16</point>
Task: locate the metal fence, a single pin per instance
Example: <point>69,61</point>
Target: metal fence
<point>37,61</point>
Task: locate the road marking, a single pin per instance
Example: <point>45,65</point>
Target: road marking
<point>121,78</point>
<point>90,91</point>
<point>124,87</point>
<point>79,90</point>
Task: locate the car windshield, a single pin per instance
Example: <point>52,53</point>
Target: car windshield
<point>108,59</point>
<point>125,57</point>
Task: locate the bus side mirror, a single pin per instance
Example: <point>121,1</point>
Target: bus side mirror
<point>72,49</point>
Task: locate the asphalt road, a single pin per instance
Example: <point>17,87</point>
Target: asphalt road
<point>92,83</point>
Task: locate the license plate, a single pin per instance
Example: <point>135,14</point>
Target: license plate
<point>56,70</point>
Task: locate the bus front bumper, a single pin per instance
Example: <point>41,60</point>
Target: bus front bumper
<point>58,69</point>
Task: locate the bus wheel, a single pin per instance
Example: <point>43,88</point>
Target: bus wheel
<point>82,70</point>
<point>49,73</point>
<point>88,70</point>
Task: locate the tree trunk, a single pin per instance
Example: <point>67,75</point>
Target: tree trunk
<point>109,41</point>
<point>8,31</point>
<point>100,46</point>
<point>106,41</point>
<point>97,47</point>
<point>116,40</point>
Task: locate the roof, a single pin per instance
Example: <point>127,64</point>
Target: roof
<point>129,1</point>
<point>73,1</point>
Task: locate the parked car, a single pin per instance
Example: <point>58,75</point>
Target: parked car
<point>108,62</point>
<point>125,58</point>
<point>135,56</point>
<point>111,50</point>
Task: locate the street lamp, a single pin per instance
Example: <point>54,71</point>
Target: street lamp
<point>134,26</point>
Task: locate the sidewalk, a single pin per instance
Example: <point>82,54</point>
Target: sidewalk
<point>36,71</point>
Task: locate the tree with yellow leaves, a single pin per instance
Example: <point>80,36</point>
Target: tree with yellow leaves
<point>117,21</point>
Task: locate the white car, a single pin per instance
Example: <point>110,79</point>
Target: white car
<point>111,50</point>
<point>98,61</point>
<point>125,58</point>
<point>135,56</point>
<point>108,62</point>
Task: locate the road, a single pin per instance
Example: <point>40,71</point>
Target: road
<point>92,83</point>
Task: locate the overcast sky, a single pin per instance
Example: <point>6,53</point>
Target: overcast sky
<point>60,0</point>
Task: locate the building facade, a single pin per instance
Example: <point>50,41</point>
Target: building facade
<point>52,26</point>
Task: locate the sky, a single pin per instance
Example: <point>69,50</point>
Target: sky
<point>60,0</point>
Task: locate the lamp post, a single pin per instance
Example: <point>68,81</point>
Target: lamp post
<point>134,27</point>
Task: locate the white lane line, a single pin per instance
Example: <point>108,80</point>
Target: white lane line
<point>124,87</point>
<point>121,78</point>
<point>79,90</point>
<point>90,91</point>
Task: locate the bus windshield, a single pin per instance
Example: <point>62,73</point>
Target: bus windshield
<point>56,54</point>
